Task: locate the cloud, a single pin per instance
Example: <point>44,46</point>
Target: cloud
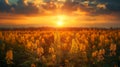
<point>22,7</point>
<point>25,2</point>
<point>40,7</point>
<point>11,2</point>
<point>7,1</point>
<point>112,5</point>
<point>102,6</point>
<point>4,7</point>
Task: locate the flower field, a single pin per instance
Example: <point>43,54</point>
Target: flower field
<point>82,48</point>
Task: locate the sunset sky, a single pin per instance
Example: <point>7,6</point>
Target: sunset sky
<point>65,13</point>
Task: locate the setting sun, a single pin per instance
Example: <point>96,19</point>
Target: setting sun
<point>60,20</point>
<point>59,23</point>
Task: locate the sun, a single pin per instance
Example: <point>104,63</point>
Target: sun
<point>60,19</point>
<point>60,23</point>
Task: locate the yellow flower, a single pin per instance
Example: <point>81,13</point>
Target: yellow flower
<point>40,51</point>
<point>33,65</point>
<point>51,50</point>
<point>9,56</point>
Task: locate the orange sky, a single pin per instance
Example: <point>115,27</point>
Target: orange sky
<point>83,15</point>
<point>51,20</point>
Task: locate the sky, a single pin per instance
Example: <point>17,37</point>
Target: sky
<point>64,13</point>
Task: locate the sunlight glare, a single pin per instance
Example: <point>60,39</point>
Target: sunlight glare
<point>60,20</point>
<point>59,23</point>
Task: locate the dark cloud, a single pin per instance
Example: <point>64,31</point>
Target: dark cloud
<point>23,9</point>
<point>20,8</point>
<point>92,7</point>
<point>113,5</point>
<point>4,7</point>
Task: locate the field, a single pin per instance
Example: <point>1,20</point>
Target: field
<point>60,48</point>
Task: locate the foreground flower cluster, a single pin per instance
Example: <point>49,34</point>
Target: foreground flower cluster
<point>83,48</point>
